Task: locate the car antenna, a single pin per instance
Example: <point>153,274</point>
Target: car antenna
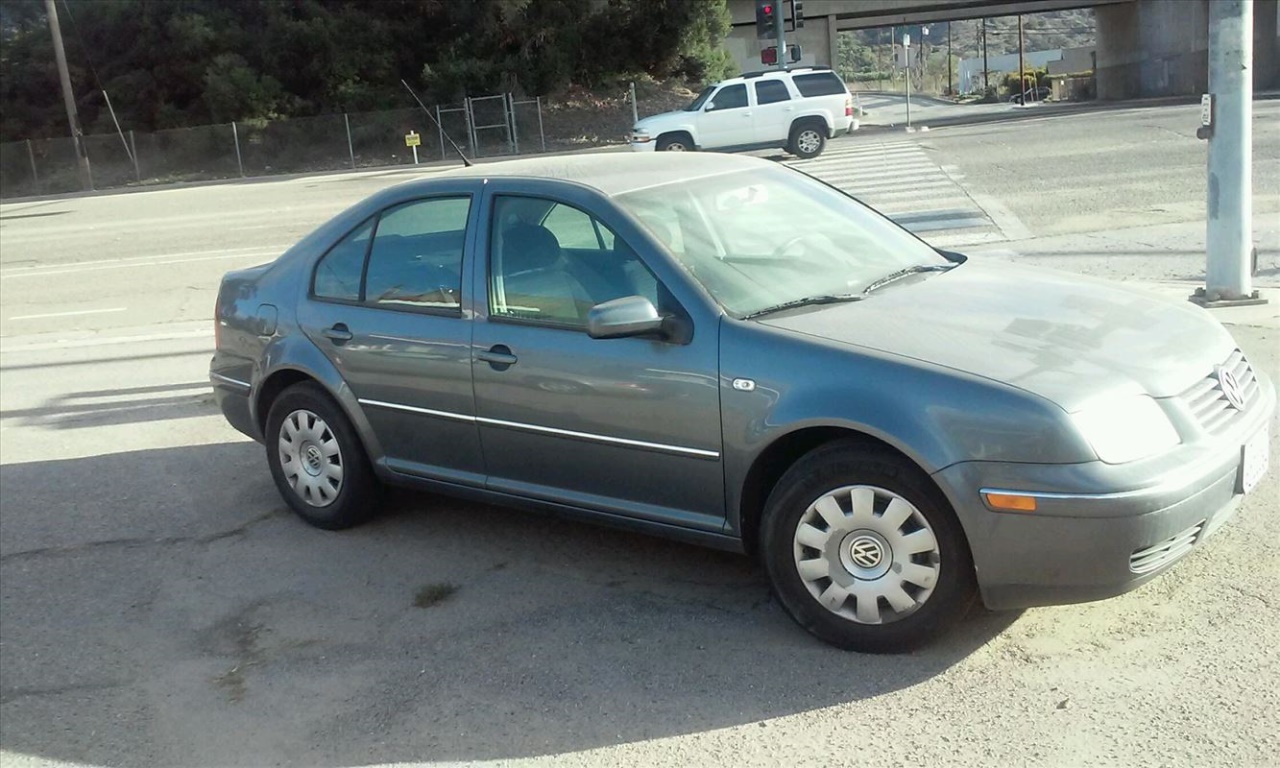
<point>443,132</point>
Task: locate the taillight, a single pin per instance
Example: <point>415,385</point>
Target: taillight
<point>217,324</point>
<point>848,106</point>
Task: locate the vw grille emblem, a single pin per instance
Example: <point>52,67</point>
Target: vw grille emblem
<point>1231,388</point>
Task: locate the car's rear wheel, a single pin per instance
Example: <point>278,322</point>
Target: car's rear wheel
<point>808,140</point>
<point>864,552</point>
<point>317,460</point>
<point>676,142</point>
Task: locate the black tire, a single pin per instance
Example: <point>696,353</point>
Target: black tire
<point>793,501</point>
<point>355,494</point>
<point>675,142</point>
<point>808,139</point>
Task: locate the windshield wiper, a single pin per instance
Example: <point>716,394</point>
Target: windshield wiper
<point>807,301</point>
<point>913,270</point>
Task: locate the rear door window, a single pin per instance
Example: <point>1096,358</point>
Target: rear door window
<point>819,84</point>
<point>416,259</point>
<point>771,92</point>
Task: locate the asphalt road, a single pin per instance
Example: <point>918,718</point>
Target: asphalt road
<point>159,605</point>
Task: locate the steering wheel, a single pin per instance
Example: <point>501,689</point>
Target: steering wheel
<point>781,251</point>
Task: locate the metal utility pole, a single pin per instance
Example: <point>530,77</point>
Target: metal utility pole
<point>69,99</point>
<point>1229,235</point>
<point>780,30</point>
<point>1022,68</point>
<point>986,79</point>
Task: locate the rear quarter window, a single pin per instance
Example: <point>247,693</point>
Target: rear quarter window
<point>819,84</point>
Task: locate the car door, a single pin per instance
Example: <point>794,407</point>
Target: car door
<point>773,111</point>
<point>726,120</point>
<point>385,306</point>
<point>629,426</point>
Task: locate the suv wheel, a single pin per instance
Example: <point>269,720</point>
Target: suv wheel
<point>675,143</point>
<point>808,140</point>
<point>864,552</point>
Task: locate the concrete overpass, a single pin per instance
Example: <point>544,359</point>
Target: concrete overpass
<point>1144,47</point>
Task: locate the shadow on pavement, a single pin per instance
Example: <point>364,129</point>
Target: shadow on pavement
<point>162,607</point>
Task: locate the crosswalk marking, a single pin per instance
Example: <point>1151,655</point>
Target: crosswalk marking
<point>898,178</point>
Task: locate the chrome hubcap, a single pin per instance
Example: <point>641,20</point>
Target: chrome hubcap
<point>310,458</point>
<point>808,141</point>
<point>867,554</point>
<point>675,147</point>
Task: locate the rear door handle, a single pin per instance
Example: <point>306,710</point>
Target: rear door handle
<point>338,333</point>
<point>499,356</point>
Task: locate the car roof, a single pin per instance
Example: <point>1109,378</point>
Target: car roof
<point>609,172</point>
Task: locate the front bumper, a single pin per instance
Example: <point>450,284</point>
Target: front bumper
<point>642,146</point>
<point>1101,542</point>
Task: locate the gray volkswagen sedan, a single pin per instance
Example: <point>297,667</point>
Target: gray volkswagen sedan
<point>726,351</point>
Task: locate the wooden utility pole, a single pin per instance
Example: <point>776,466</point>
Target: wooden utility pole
<point>1022,68</point>
<point>986,79</point>
<point>68,98</point>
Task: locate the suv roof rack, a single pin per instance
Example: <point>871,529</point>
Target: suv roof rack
<point>763,72</point>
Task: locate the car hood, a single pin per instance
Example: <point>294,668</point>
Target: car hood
<point>663,120</point>
<point>1066,338</point>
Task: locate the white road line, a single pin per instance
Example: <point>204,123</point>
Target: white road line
<point>68,314</point>
<point>13,349</point>
<point>136,264</point>
<point>226,252</point>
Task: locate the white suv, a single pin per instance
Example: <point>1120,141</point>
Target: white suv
<point>796,109</point>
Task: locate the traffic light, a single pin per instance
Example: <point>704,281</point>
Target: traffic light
<point>769,56</point>
<point>797,14</point>
<point>766,18</point>
<point>794,53</point>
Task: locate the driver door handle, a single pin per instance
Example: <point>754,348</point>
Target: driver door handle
<point>499,356</point>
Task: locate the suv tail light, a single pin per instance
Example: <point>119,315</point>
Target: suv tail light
<point>848,106</point>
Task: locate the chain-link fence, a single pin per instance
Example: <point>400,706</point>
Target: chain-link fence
<point>484,126</point>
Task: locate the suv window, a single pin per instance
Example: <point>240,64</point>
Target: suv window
<point>338,273</point>
<point>819,84</point>
<point>729,97</point>
<point>416,258</point>
<point>771,92</point>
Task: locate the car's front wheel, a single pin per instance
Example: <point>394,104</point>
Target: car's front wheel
<point>864,552</point>
<point>675,142</point>
<point>317,460</point>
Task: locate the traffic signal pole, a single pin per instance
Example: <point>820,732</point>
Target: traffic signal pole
<point>1229,199</point>
<point>780,27</point>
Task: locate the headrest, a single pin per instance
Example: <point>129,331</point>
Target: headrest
<point>528,246</point>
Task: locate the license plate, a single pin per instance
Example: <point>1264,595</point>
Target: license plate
<point>1253,464</point>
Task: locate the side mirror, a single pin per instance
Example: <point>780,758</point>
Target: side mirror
<point>624,317</point>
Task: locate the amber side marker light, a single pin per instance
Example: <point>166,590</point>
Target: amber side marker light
<point>1011,502</point>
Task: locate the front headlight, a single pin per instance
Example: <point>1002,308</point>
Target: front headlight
<point>1126,428</point>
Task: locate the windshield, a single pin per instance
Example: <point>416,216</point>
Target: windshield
<point>768,236</point>
<point>697,103</point>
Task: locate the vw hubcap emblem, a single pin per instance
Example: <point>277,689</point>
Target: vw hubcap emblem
<point>865,552</point>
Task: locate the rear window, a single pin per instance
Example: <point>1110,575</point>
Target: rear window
<point>819,84</point>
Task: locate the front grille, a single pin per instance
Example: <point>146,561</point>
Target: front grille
<point>1156,555</point>
<point>1207,403</point>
